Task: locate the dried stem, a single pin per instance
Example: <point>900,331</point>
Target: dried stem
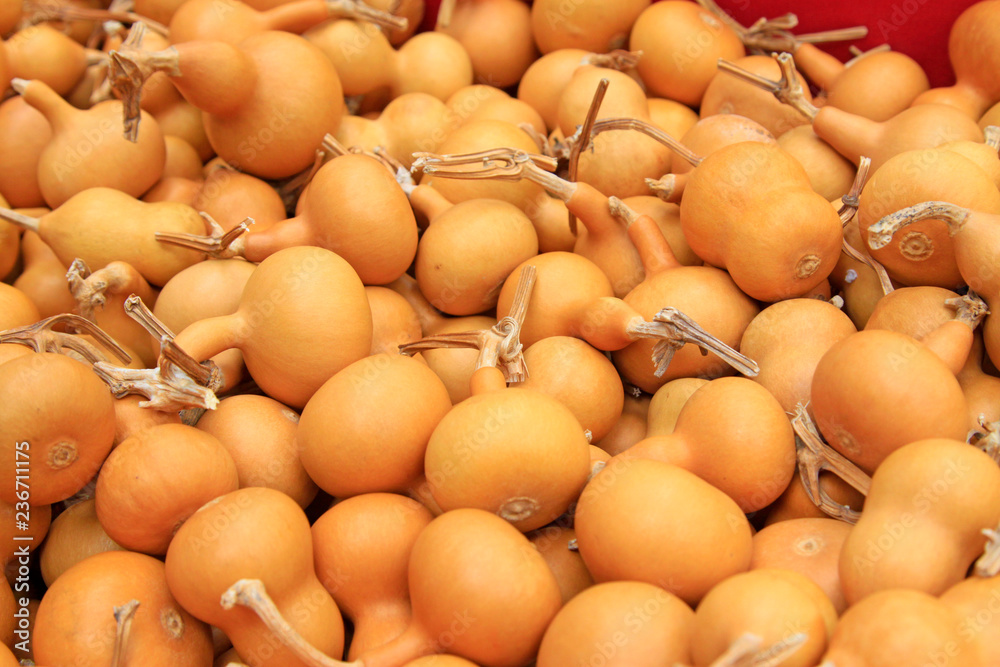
<point>584,139</point>
<point>618,59</point>
<point>19,219</point>
<point>445,11</point>
<point>123,619</point>
<point>988,565</point>
<point>291,190</point>
<point>815,456</point>
<point>651,131</point>
<point>252,594</point>
<point>129,69</point>
<point>359,11</point>
<point>666,187</point>
<point>970,309</point>
<point>989,441</point>
<point>788,89</point>
<point>218,244</point>
<point>90,289</point>
<point>500,345</point>
<point>41,337</point>
<point>748,651</point>
<point>848,209</point>
<point>672,329</point>
<point>505,164</point>
<point>880,234</point>
<point>37,12</point>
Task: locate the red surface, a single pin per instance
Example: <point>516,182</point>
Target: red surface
<point>918,28</point>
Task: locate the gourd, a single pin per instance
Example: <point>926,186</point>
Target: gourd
<point>553,542</point>
<point>394,321</point>
<point>44,53</point>
<point>306,290</point>
<point>43,278</point>
<point>75,535</point>
<point>592,25</point>
<point>733,434</point>
<point>726,95</point>
<point>86,152</point>
<point>259,434</point>
<point>25,132</point>
<point>76,619</point>
<point>630,511</point>
<point>496,35</point>
<point>142,499</point>
<point>621,622</point>
<point>922,494</point>
<point>64,413</point>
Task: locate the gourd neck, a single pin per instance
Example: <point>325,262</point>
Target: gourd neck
<point>57,111</point>
<point>283,234</point>
<point>850,135</point>
<point>295,17</point>
<point>378,625</point>
<point>822,68</point>
<point>964,96</point>
<point>412,644</point>
<point>206,338</point>
<point>486,379</point>
<point>590,206</point>
<point>429,202</point>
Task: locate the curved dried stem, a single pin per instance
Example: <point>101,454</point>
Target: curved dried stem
<point>991,134</point>
<point>445,11</point>
<point>883,277</point>
<point>838,35</point>
<point>123,620</point>
<point>505,164</point>
<point>851,201</point>
<point>748,650</point>
<point>218,244</point>
<point>672,330</point>
<point>359,11</point>
<point>788,89</point>
<point>651,131</point>
<point>252,594</point>
<point>291,190</point>
<point>880,233</point>
<point>41,337</point>
<point>129,69</point>
<point>618,59</point>
<point>988,565</point>
<point>21,220</point>
<point>90,288</point>
<point>584,139</point>
<point>814,456</point>
<point>500,345</point>
<point>542,140</point>
<point>859,54</point>
<point>37,12</point>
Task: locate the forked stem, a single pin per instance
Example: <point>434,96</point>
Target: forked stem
<point>788,89</point>
<point>129,69</point>
<point>814,456</point>
<point>218,244</point>
<point>252,594</point>
<point>880,234</point>
<point>90,289</point>
<point>500,345</point>
<point>41,337</point>
<point>969,309</point>
<point>672,330</point>
<point>123,619</point>
<point>651,131</point>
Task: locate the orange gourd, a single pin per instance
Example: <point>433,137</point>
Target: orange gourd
<point>361,548</point>
<point>894,627</point>
<point>795,502</point>
<point>980,388</point>
<point>142,499</point>
<point>591,25</point>
<point>496,35</point>
<point>24,132</point>
<point>667,402</point>
<point>431,62</point>
<point>914,311</point>
<point>782,238</point>
<point>468,251</point>
<point>775,605</point>
<point>630,427</point>
<point>259,434</point>
<point>924,254</point>
<point>787,340</point>
<point>681,43</point>
<point>553,542</point>
<point>229,196</point>
<point>86,151</point>
<point>268,103</point>
<point>43,278</point>
<point>733,434</point>
<point>908,392</point>
<point>394,321</point>
<point>57,415</point>
<point>975,598</point>
<point>76,621</point>
<point>620,622</point>
<point>82,228</point>
<point>936,491</point>
<point>558,363</point>
<point>808,546</point>
<point>18,310</point>
<point>349,445</point>
<point>830,173</point>
<point>650,521</point>
<point>454,366</point>
<point>220,544</point>
<point>971,50</point>
<point>44,53</point>
<point>728,95</point>
<point>309,291</point>
<point>75,535</point>
<point>21,540</point>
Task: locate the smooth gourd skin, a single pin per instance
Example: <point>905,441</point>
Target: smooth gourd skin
<point>75,534</point>
<point>350,444</point>
<point>253,533</point>
<point>909,394</point>
<point>623,622</point>
<point>25,132</point>
<point>915,311</point>
<point>878,85</point>
<point>76,625</point>
<point>518,453</point>
<point>650,521</point>
<point>726,94</point>
<point>362,549</point>
<point>933,498</point>
<point>592,25</point>
<point>66,414</point>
